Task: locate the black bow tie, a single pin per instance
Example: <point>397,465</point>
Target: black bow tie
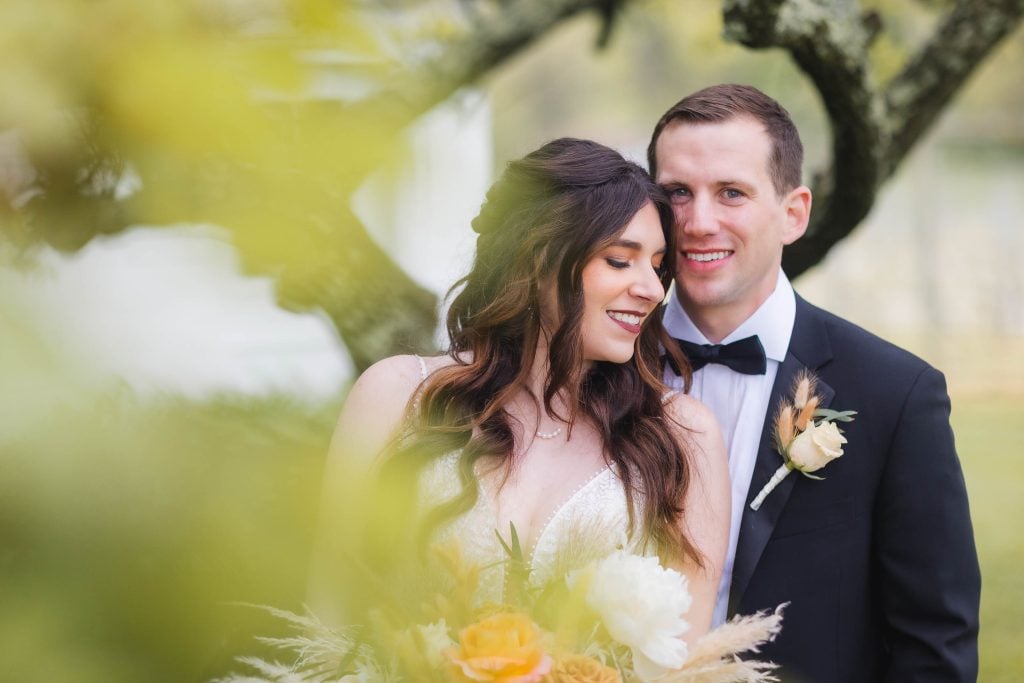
<point>743,355</point>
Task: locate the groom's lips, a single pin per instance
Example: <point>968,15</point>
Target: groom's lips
<point>705,259</point>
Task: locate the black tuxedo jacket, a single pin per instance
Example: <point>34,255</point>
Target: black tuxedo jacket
<point>877,562</point>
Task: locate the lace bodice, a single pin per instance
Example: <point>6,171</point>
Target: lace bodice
<point>591,523</point>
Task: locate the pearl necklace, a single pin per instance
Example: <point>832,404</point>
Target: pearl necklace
<point>548,435</point>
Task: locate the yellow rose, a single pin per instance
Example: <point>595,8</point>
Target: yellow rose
<point>816,446</point>
<point>503,647</point>
<point>580,669</point>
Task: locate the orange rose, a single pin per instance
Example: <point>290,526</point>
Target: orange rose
<point>503,647</point>
<point>580,669</point>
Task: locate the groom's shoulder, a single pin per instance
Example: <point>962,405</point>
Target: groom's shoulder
<point>853,343</point>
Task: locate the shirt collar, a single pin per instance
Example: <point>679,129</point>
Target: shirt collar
<point>772,322</point>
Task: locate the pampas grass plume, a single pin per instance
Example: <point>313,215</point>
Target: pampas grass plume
<point>785,427</point>
<point>806,413</point>
<point>709,660</point>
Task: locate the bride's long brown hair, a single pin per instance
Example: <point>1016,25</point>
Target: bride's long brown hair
<point>541,223</point>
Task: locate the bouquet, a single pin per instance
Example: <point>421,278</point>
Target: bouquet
<point>616,618</point>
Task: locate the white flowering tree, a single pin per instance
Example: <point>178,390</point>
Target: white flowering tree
<point>166,98</point>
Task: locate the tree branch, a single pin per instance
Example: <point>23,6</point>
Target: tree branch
<point>493,40</point>
<point>872,131</point>
<point>921,91</point>
<point>377,309</point>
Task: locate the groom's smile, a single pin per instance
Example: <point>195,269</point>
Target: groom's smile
<point>705,259</point>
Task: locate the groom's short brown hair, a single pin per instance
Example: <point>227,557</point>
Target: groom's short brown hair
<point>719,103</point>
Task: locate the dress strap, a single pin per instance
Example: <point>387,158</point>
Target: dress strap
<point>668,396</point>
<point>419,389</point>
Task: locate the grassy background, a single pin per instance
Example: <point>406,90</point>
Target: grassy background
<point>131,531</point>
<point>990,440</point>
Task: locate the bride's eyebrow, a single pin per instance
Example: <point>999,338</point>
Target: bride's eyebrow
<point>631,244</point>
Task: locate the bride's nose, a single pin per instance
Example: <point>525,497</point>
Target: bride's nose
<point>647,285</point>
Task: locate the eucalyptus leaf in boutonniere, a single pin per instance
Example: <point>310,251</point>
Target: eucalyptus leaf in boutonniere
<point>806,436</point>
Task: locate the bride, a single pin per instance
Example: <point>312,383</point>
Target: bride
<point>547,416</point>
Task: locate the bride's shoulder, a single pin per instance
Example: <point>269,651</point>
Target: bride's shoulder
<point>693,423</point>
<point>396,377</point>
<point>378,402</point>
<point>690,413</point>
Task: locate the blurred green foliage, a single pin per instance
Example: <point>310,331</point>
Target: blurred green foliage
<point>212,111</point>
<point>127,545</point>
<point>130,529</point>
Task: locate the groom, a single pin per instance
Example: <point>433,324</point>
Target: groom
<point>877,560</point>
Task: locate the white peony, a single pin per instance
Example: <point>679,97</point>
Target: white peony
<point>641,604</point>
<point>816,446</point>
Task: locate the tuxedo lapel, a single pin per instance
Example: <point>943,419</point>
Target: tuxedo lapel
<point>809,349</point>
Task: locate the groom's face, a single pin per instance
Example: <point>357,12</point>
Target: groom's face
<point>731,224</point>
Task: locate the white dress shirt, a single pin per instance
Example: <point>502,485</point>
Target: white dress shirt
<point>740,402</point>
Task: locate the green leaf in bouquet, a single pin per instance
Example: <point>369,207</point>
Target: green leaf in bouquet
<point>513,549</point>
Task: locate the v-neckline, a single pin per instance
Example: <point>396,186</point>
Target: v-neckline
<point>489,501</point>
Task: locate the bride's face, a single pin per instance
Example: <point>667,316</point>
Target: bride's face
<point>621,288</point>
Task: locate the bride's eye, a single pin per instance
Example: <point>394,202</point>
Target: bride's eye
<point>616,263</point>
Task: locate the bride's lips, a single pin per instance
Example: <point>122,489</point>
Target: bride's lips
<point>630,321</point>
<point>703,260</point>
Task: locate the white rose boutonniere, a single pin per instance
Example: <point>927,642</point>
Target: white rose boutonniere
<point>806,436</point>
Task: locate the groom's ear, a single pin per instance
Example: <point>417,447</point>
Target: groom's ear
<point>797,205</point>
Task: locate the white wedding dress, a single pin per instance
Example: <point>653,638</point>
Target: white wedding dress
<point>591,523</point>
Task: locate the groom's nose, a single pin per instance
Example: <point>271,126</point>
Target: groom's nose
<point>697,218</point>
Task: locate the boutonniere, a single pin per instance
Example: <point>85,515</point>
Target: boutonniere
<point>806,436</point>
